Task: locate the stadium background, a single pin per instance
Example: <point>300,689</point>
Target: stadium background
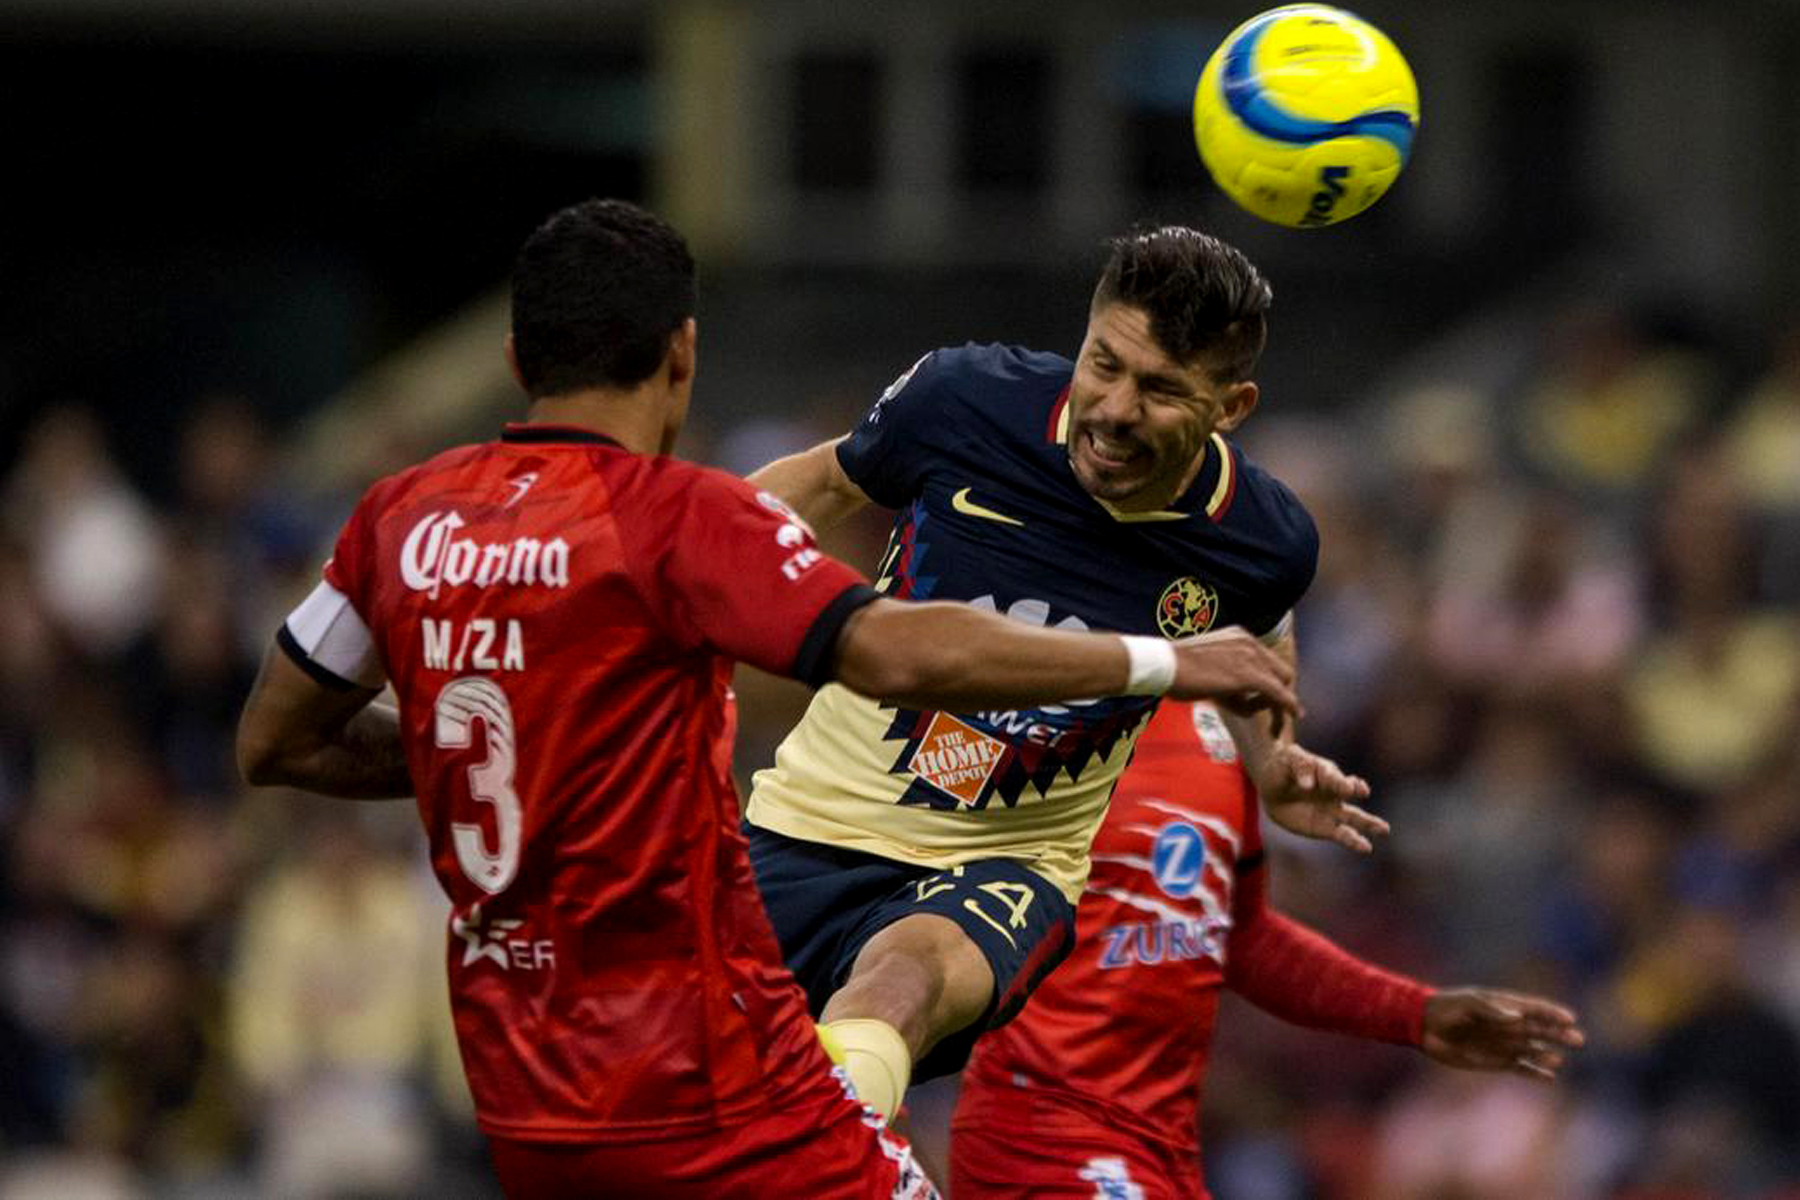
<point>1544,400</point>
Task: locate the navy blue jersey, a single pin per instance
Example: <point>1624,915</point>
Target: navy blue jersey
<point>970,446</point>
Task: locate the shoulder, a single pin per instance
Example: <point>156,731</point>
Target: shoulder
<point>978,366</point>
<point>421,475</point>
<point>1264,508</point>
<point>395,495</point>
<point>709,497</point>
<point>663,481</point>
<point>980,375</point>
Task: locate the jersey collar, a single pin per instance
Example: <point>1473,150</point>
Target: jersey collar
<point>529,433</point>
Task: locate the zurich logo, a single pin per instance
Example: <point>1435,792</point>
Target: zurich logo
<point>1178,859</point>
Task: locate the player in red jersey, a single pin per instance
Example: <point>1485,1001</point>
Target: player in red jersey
<point>1094,1089</point>
<point>558,612</point>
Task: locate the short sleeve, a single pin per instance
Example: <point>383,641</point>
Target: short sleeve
<point>1288,550</point>
<point>1302,565</point>
<point>738,572</point>
<point>887,453</point>
<point>348,570</point>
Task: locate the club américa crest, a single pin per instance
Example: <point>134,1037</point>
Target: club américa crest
<point>1186,607</point>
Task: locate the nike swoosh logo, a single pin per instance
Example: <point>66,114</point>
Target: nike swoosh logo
<point>962,504</point>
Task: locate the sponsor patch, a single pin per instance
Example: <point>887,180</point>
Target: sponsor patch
<point>433,555</point>
<point>1214,736</point>
<point>956,758</point>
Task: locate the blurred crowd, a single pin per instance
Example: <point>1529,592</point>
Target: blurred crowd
<point>1556,624</point>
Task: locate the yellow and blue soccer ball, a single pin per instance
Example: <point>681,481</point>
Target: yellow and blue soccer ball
<point>1305,114</point>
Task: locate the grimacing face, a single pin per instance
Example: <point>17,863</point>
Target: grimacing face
<point>1139,420</point>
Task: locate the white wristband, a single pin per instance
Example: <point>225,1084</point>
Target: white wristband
<point>1152,666</point>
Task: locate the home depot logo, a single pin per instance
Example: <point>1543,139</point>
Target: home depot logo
<point>956,758</point>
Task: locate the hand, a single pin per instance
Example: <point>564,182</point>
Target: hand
<point>1478,1029</point>
<point>1232,668</point>
<point>1308,794</point>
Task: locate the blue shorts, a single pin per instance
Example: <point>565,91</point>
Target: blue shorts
<point>826,903</point>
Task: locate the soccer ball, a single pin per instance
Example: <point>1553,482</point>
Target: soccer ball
<point>1305,114</point>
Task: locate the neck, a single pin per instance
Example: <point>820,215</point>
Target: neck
<point>629,416</point>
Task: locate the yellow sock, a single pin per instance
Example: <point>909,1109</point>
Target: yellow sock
<point>834,1049</point>
<point>875,1057</point>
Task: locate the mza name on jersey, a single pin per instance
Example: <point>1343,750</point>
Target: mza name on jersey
<point>1150,942</point>
<point>480,645</point>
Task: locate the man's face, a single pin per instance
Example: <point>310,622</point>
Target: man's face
<point>1139,420</point>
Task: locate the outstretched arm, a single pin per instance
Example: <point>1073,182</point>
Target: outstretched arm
<point>813,484</point>
<point>1286,969</point>
<point>1289,970</point>
<point>953,656</point>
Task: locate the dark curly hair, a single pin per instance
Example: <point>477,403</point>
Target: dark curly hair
<point>1205,300</point>
<point>597,290</point>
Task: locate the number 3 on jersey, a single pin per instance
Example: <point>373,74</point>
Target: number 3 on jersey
<point>490,781</point>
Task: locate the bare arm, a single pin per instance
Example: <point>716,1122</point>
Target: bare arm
<point>952,656</point>
<point>1303,792</point>
<point>298,732</point>
<point>813,484</point>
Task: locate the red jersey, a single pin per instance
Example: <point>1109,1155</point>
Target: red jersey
<point>559,618</point>
<point>1112,1050</point>
<point>1123,1026</point>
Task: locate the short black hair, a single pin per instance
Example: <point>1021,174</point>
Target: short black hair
<point>597,290</point>
<point>1203,297</point>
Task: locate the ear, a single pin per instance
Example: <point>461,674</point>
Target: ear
<point>512,363</point>
<point>683,347</point>
<point>1239,402</point>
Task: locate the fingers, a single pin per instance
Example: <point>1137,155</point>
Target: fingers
<point>1310,795</point>
<point>1531,1058</point>
<point>1356,828</point>
<point>1546,1013</point>
<point>1363,821</point>
<point>1344,785</point>
<point>1318,774</point>
<point>1237,670</point>
<point>1486,1030</point>
<point>1247,702</point>
<point>1538,1020</point>
<point>1494,1006</point>
<point>1344,824</point>
<point>1539,1060</point>
<point>1536,1068</point>
<point>1282,702</point>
